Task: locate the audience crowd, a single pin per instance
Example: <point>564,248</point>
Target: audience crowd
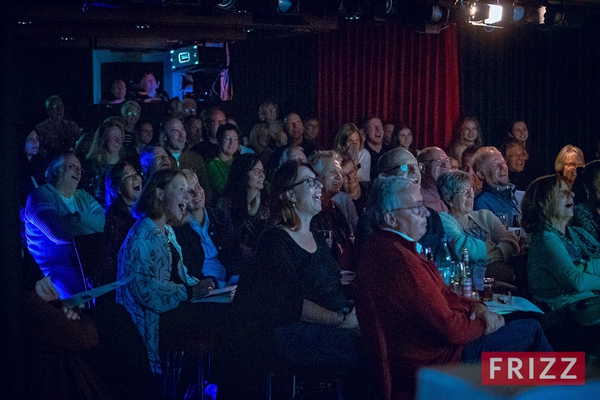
<point>192,205</point>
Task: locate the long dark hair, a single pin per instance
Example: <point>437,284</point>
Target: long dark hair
<point>236,188</point>
<point>536,202</point>
<point>149,205</point>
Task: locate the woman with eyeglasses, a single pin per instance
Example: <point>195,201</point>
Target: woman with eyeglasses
<point>131,112</point>
<point>217,169</point>
<point>244,208</point>
<point>481,232</point>
<point>292,300</point>
<point>123,189</point>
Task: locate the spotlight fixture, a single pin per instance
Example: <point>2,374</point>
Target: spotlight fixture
<point>227,5</point>
<point>482,13</point>
<point>288,7</point>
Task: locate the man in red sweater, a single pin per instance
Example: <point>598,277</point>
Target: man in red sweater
<point>403,303</point>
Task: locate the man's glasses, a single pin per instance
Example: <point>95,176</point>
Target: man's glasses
<point>231,139</point>
<point>439,161</point>
<point>312,182</point>
<point>419,209</point>
<point>73,167</point>
<point>404,168</point>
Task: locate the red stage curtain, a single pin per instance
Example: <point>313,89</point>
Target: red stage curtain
<point>390,72</point>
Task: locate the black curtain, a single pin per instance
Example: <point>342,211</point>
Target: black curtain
<point>282,70</point>
<point>548,78</point>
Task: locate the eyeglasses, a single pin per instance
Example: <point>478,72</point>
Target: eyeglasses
<point>73,167</point>
<point>410,168</point>
<point>573,165</point>
<point>231,138</point>
<point>257,171</point>
<point>312,182</point>
<point>439,160</point>
<point>130,113</point>
<point>419,209</point>
<point>466,193</point>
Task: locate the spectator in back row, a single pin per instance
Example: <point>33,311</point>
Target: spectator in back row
<point>349,142</point>
<point>212,119</point>
<point>373,131</point>
<point>469,134</point>
<point>32,165</point>
<point>57,134</point>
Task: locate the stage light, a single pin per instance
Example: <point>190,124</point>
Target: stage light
<point>288,7</point>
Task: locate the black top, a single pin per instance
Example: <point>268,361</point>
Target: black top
<point>375,158</point>
<point>273,292</point>
<point>34,168</point>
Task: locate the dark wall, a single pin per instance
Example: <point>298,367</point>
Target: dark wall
<point>41,73</point>
<point>547,78</point>
<point>282,70</point>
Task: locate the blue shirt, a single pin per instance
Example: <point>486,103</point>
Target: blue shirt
<point>212,266</point>
<point>499,201</point>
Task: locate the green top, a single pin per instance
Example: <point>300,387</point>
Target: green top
<point>217,172</point>
<point>563,268</point>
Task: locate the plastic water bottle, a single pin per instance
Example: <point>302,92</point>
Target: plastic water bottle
<point>468,282</point>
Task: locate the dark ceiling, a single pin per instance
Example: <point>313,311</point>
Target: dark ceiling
<point>149,25</point>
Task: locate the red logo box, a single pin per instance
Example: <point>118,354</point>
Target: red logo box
<point>532,369</point>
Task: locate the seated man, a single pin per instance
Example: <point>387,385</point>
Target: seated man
<point>403,301</point>
<point>57,135</point>
<point>55,214</point>
<point>433,162</point>
<point>203,240</point>
<point>498,194</point>
<point>402,163</point>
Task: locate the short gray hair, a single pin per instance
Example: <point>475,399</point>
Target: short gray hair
<point>382,199</point>
<point>317,160</point>
<point>481,156</point>
<point>450,183</point>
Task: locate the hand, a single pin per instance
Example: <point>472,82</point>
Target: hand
<point>70,313</point>
<point>351,322</point>
<point>352,151</point>
<point>45,289</point>
<point>202,288</point>
<point>493,321</point>
<point>479,309</point>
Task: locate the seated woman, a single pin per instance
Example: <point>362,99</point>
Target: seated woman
<point>402,137</point>
<point>32,165</point>
<point>587,214</point>
<point>469,134</point>
<point>466,164</point>
<point>292,301</point>
<point>205,242</point>
<point>106,151</point>
<point>244,209</point>
<point>123,189</point>
<point>563,266</point>
<point>217,169</point>
<point>332,221</point>
<point>351,143</point>
<point>567,161</point>
<point>481,232</point>
<point>131,112</point>
<point>151,259</point>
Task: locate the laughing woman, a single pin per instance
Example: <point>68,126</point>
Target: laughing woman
<point>150,258</point>
<point>563,266</point>
<point>481,232</point>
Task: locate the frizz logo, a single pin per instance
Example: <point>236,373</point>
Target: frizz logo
<point>516,369</point>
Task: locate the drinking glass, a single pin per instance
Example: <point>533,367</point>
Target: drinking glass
<point>503,218</point>
<point>457,276</point>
